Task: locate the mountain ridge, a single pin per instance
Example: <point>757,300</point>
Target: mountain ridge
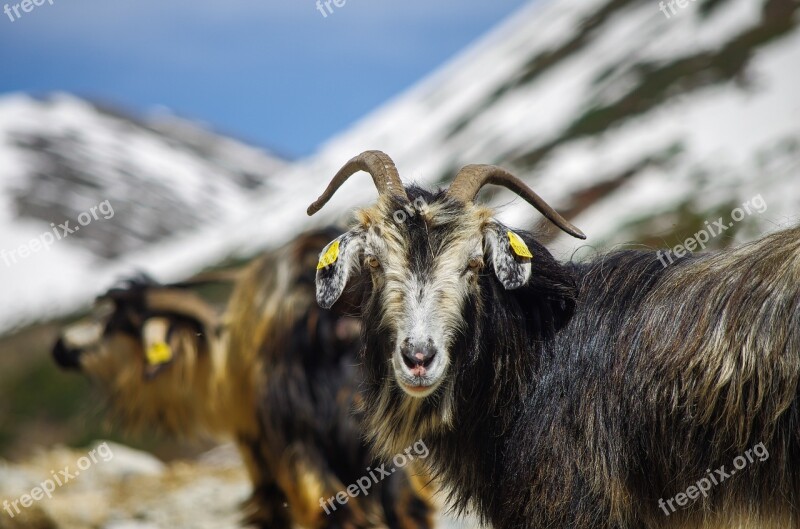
<point>604,106</point>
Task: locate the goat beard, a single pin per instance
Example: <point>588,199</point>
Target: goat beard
<point>394,420</point>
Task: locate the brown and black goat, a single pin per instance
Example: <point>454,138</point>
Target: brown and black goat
<point>611,394</point>
<point>274,372</point>
<point>149,347</point>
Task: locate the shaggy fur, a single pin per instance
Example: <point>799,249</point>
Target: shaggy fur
<point>107,347</point>
<point>278,378</point>
<point>584,397</point>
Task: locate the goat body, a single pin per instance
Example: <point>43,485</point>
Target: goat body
<point>275,373</point>
<point>660,377</point>
<point>593,395</point>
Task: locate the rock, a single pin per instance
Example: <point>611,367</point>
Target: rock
<point>129,489</point>
<point>116,460</point>
<point>224,456</point>
<point>130,524</point>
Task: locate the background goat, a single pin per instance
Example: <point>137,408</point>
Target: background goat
<point>277,377</point>
<point>148,347</point>
<point>607,394</point>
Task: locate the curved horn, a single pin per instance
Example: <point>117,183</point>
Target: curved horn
<point>376,163</point>
<point>471,179</point>
<point>184,303</point>
<point>230,275</point>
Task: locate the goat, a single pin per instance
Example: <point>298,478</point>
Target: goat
<point>139,330</point>
<point>274,372</point>
<point>580,395</point>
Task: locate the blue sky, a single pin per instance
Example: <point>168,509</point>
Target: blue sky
<point>273,72</point>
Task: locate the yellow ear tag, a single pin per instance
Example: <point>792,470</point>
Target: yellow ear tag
<point>330,257</point>
<point>518,245</point>
<point>159,353</point>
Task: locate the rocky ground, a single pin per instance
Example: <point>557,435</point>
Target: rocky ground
<point>129,490</point>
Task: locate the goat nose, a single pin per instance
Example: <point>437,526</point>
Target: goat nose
<point>418,355</point>
<point>65,357</point>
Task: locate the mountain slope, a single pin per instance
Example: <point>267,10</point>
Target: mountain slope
<point>641,128</point>
<point>148,181</point>
<point>694,111</point>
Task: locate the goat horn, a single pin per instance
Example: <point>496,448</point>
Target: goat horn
<point>184,303</point>
<point>471,179</point>
<point>376,163</point>
<point>210,278</point>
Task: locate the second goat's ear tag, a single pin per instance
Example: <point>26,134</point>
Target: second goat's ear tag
<point>518,245</point>
<point>159,353</point>
<point>330,256</point>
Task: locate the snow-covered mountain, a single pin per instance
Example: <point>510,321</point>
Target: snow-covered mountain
<point>617,114</point>
<point>639,127</point>
<point>63,155</point>
<point>84,186</point>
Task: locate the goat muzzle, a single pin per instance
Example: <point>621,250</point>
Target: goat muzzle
<point>65,356</point>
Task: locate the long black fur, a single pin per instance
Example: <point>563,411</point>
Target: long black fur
<point>578,404</point>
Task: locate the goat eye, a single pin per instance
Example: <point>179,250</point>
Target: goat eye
<point>373,262</point>
<point>475,264</point>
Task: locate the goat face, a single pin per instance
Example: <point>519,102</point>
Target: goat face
<point>152,359</point>
<point>427,265</point>
<point>424,266</point>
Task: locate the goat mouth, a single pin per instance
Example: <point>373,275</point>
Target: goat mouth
<point>418,389</point>
<point>416,385</point>
<point>419,378</point>
<point>67,358</point>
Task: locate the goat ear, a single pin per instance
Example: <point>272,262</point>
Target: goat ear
<point>510,255</point>
<point>336,262</point>
<point>158,352</point>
